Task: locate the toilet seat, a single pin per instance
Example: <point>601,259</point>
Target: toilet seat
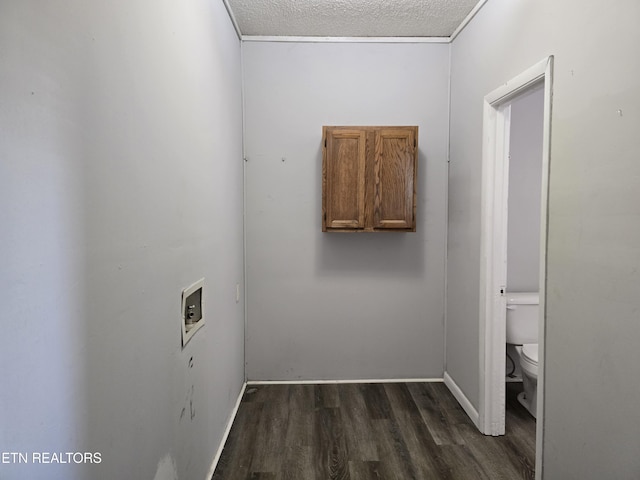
<point>530,350</point>
<point>529,359</point>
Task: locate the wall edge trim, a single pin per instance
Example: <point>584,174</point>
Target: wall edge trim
<point>227,430</point>
<point>462,399</point>
<point>311,39</point>
<point>358,380</point>
<point>232,17</point>
<point>467,20</point>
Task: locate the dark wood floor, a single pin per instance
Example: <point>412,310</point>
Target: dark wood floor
<point>371,431</point>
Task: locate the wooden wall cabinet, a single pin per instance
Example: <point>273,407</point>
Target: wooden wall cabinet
<point>369,179</point>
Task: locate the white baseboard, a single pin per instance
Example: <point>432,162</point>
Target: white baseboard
<point>234,412</point>
<point>461,398</point>
<point>320,382</point>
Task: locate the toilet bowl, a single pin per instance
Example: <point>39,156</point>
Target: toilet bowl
<point>529,365</point>
<point>522,332</point>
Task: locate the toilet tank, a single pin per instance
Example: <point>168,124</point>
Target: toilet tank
<point>522,317</point>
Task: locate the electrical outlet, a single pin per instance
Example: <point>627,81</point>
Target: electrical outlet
<point>192,308</point>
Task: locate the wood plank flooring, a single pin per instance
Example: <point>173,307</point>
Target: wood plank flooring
<point>371,431</point>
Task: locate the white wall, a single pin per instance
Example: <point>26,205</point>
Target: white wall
<point>331,305</point>
<point>525,182</point>
<point>591,424</point>
<point>120,184</point>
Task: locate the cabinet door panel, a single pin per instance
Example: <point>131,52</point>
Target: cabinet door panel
<point>344,164</point>
<point>394,177</point>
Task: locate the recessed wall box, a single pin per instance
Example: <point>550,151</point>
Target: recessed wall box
<point>192,308</point>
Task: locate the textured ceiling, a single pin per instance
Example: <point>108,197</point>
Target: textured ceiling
<point>350,18</point>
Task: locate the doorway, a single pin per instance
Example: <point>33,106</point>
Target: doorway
<point>494,250</point>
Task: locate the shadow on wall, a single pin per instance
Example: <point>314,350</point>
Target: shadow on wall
<point>372,254</point>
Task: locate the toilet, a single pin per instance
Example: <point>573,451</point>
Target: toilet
<point>522,331</point>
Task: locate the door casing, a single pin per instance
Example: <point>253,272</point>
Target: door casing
<point>493,246</point>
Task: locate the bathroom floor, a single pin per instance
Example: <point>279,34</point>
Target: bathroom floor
<point>371,431</point>
<point>515,411</point>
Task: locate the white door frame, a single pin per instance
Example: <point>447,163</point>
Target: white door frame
<point>495,168</point>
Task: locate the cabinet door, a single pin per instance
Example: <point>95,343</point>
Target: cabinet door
<point>343,176</point>
<point>394,178</point>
